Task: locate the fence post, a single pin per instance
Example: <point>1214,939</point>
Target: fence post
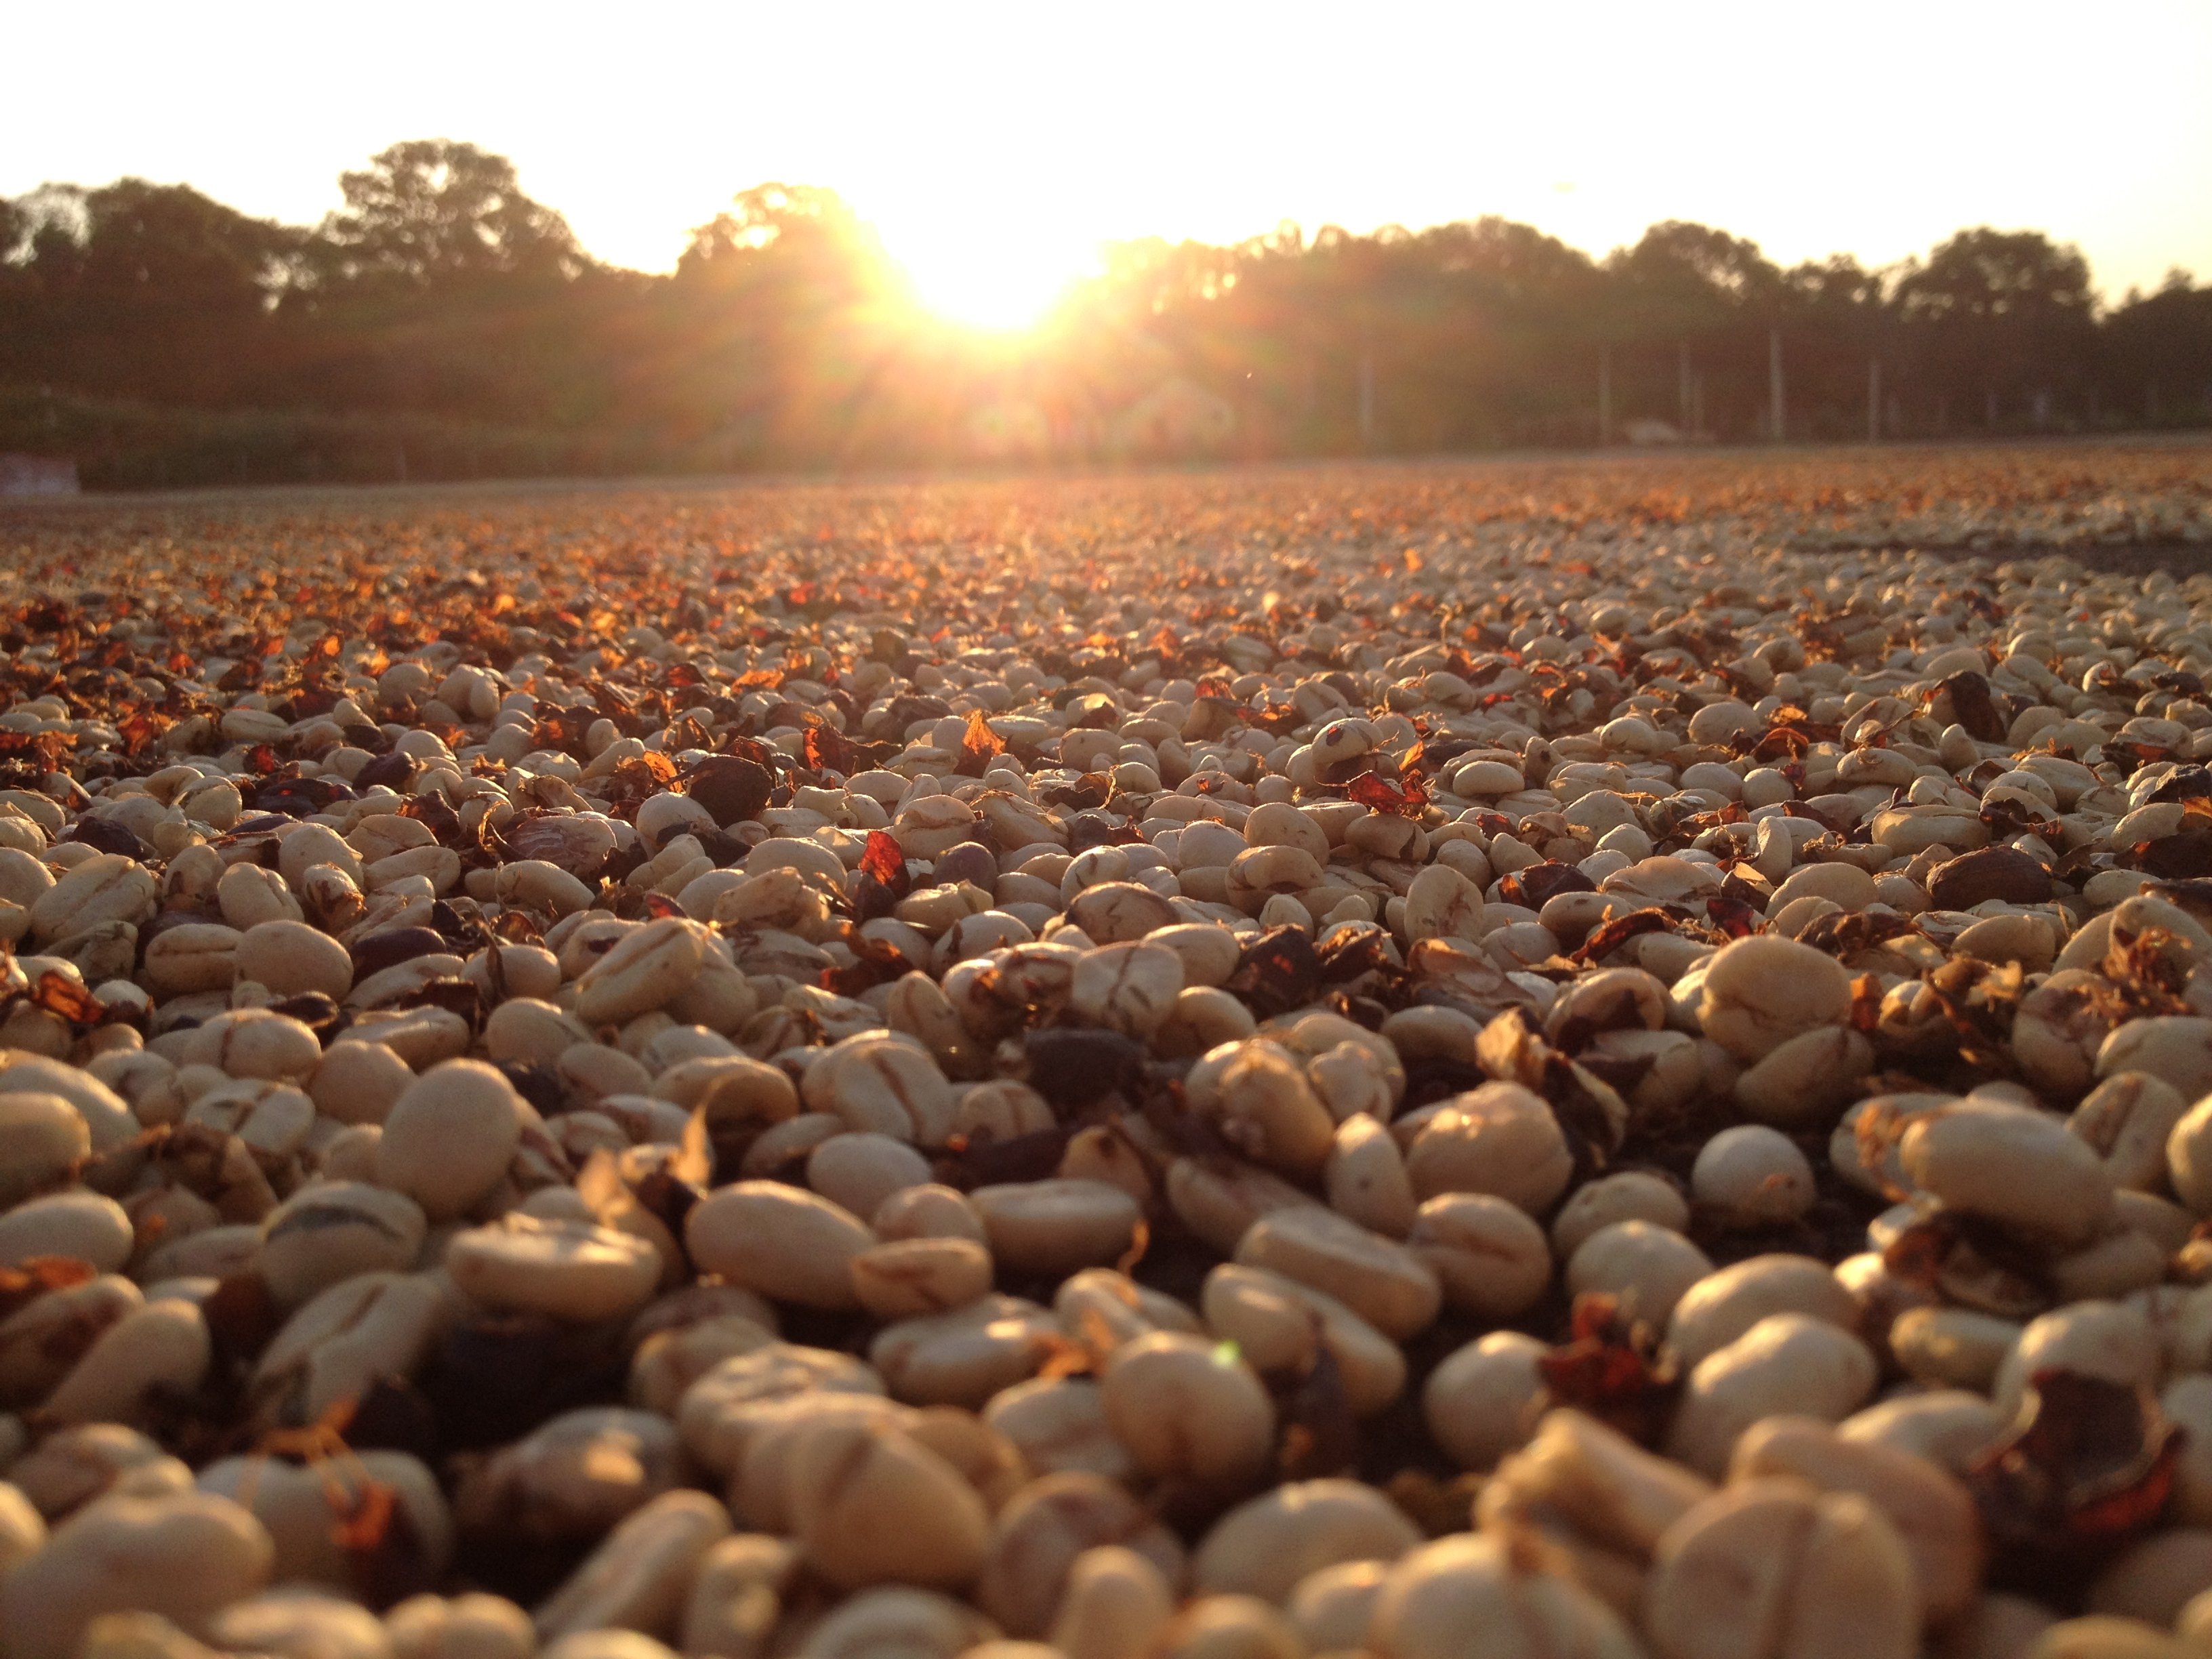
<point>1774,380</point>
<point>1604,395</point>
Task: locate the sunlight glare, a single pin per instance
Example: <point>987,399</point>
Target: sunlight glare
<point>999,285</point>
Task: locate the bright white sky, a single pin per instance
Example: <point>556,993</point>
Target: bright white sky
<point>996,146</point>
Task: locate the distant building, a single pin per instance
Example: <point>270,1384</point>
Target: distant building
<point>37,474</point>
<point>1651,431</point>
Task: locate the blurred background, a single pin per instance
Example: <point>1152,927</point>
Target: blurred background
<point>995,236</point>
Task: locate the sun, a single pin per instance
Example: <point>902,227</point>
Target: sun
<point>1000,284</point>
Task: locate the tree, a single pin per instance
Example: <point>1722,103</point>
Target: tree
<point>785,314</point>
<point>2155,360</point>
<point>1996,317</point>
<point>152,290</point>
<point>431,212</point>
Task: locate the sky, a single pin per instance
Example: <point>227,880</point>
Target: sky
<point>996,148</point>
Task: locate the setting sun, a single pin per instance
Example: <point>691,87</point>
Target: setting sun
<point>999,283</point>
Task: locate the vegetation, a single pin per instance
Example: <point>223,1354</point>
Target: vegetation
<point>444,324</point>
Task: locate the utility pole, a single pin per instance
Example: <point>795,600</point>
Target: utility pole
<point>1604,394</point>
<point>1873,400</point>
<point>1774,380</point>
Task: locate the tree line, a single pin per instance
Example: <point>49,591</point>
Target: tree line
<point>443,324</point>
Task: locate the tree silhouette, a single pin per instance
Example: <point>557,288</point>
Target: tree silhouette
<point>430,212</point>
<point>443,323</point>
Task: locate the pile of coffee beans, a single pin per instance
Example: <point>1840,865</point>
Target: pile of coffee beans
<point>1329,1064</point>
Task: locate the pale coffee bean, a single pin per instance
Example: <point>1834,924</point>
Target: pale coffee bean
<point>640,1574</point>
<point>872,1505</point>
<point>83,1225</point>
<point>359,1082</point>
<point>1758,992</point>
<point>963,1356</point>
<point>2127,1121</point>
<point>1601,1497</point>
<point>1771,1570</point>
<point>2012,1165</point>
<point>1483,1401</point>
<point>192,956</point>
<point>1647,1269</point>
<point>859,1172</point>
<point>669,1361</point>
<point>2156,1577</point>
<point>1492,1260</point>
<point>1501,1139</point>
<point>1055,1227</point>
<point>1804,1083</point>
<point>1115,1604</point>
<point>648,968</point>
<point>1949,1427</point>
<point>42,1139</point>
<point>290,1621</point>
<point>718,1414</point>
<point>573,1477</point>
<point>907,1277</point>
<point>1229,1627</point>
<point>332,1232</point>
<point>1394,1290</point>
<point>1366,1177</point>
<point>185,1557</point>
<point>1722,1305</point>
<point>1952,1347</point>
<point>570,1269</point>
<point>1189,1410</point>
<point>1263,1547</point>
<point>1280,1325</point>
<point>1631,1196</point>
<point>1332,1608</point>
<point>2118,1341</point>
<point>927,1212</point>
<point>1932,1512</point>
<point>450,1136</point>
<point>1786,1363</point>
<point>342,1342</point>
<point>913,1624</point>
<point>295,1504</point>
<point>1127,987</point>
<point>1039,1536</point>
<point>1059,1424</point>
<point>1437,1594</point>
<point>1751,1175</point>
<point>70,1467</point>
<point>2099,1636</point>
<point>606,1644</point>
<point>737,1596</point>
<point>788,1244</point>
<point>884,1084</point>
<point>1265,1103</point>
<point>160,1349</point>
<point>107,1115</point>
<point>294,959</point>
